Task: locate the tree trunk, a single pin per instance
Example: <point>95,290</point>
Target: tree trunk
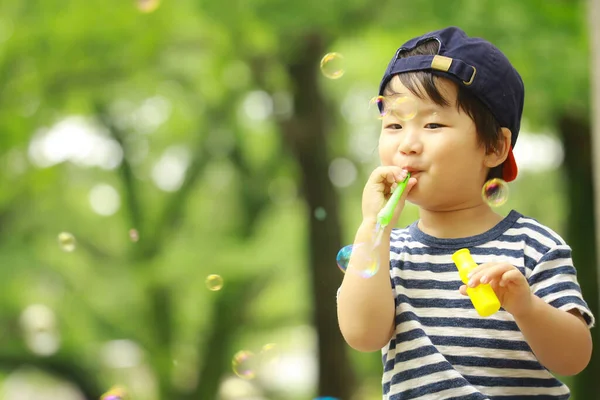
<point>581,235</point>
<point>305,134</point>
<point>230,311</point>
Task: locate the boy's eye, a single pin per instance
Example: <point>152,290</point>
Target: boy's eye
<point>434,126</point>
<point>394,126</point>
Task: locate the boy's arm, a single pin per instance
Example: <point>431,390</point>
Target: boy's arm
<point>366,307</point>
<point>547,306</point>
<point>560,340</point>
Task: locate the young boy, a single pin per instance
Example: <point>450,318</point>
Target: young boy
<point>434,344</point>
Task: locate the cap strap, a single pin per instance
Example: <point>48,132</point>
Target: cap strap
<point>458,68</point>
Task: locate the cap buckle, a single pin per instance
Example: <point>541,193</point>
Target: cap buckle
<point>472,76</point>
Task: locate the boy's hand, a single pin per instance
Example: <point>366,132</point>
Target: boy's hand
<point>508,283</point>
<point>378,190</point>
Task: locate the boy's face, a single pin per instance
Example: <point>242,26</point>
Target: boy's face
<point>438,146</point>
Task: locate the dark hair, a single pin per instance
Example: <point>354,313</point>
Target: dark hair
<point>488,129</point>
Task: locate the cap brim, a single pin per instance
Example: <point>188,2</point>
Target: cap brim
<point>509,169</point>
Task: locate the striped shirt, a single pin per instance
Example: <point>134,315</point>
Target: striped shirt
<point>442,349</point>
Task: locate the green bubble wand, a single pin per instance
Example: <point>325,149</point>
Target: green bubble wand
<point>387,212</point>
<point>384,217</point>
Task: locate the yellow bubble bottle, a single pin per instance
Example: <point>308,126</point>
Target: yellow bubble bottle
<point>483,297</point>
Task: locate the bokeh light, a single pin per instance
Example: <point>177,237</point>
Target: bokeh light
<point>148,6</point>
<point>342,172</point>
<point>134,235</point>
<point>320,214</point>
<point>104,199</point>
<point>38,324</point>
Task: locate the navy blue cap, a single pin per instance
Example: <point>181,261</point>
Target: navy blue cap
<point>477,65</point>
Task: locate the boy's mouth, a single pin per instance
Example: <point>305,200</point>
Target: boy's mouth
<point>413,171</point>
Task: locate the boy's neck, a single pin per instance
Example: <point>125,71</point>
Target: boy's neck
<point>456,224</point>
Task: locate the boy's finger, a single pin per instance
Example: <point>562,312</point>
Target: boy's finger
<point>481,267</point>
<point>391,177</point>
<point>514,276</point>
<point>488,274</point>
<point>463,290</point>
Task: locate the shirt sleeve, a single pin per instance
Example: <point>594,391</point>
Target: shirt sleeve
<point>554,280</point>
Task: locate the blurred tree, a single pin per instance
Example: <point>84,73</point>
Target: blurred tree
<point>61,59</point>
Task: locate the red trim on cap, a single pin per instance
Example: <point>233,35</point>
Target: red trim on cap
<point>509,169</point>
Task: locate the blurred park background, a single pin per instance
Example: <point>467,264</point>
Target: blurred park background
<point>148,145</point>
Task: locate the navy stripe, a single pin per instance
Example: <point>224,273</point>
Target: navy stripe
<point>561,301</point>
<point>421,371</point>
<point>471,361</point>
<point>549,273</point>
<point>463,341</point>
<point>424,266</point>
<point>406,316</point>
<point>470,323</point>
<point>409,355</point>
<point>429,389</point>
<point>386,388</point>
<point>531,397</point>
<point>541,230</point>
<point>427,284</point>
<point>515,237</point>
<point>472,396</point>
<point>433,268</point>
<point>557,254</point>
<point>434,302</point>
<point>512,382</point>
<point>406,336</point>
<point>558,287</point>
<point>401,247</point>
<point>510,236</point>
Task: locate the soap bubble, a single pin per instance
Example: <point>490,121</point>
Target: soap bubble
<point>134,235</point>
<point>66,241</point>
<point>343,257</point>
<point>378,234</point>
<point>115,393</point>
<point>244,364</point>
<point>402,107</point>
<point>495,192</point>
<point>368,258</point>
<point>320,213</point>
<point>147,6</point>
<point>269,354</point>
<point>214,282</point>
<point>332,65</point>
<point>379,104</point>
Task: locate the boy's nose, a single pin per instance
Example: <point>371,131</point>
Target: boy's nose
<point>410,143</point>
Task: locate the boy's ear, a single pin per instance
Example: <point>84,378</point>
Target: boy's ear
<point>497,155</point>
